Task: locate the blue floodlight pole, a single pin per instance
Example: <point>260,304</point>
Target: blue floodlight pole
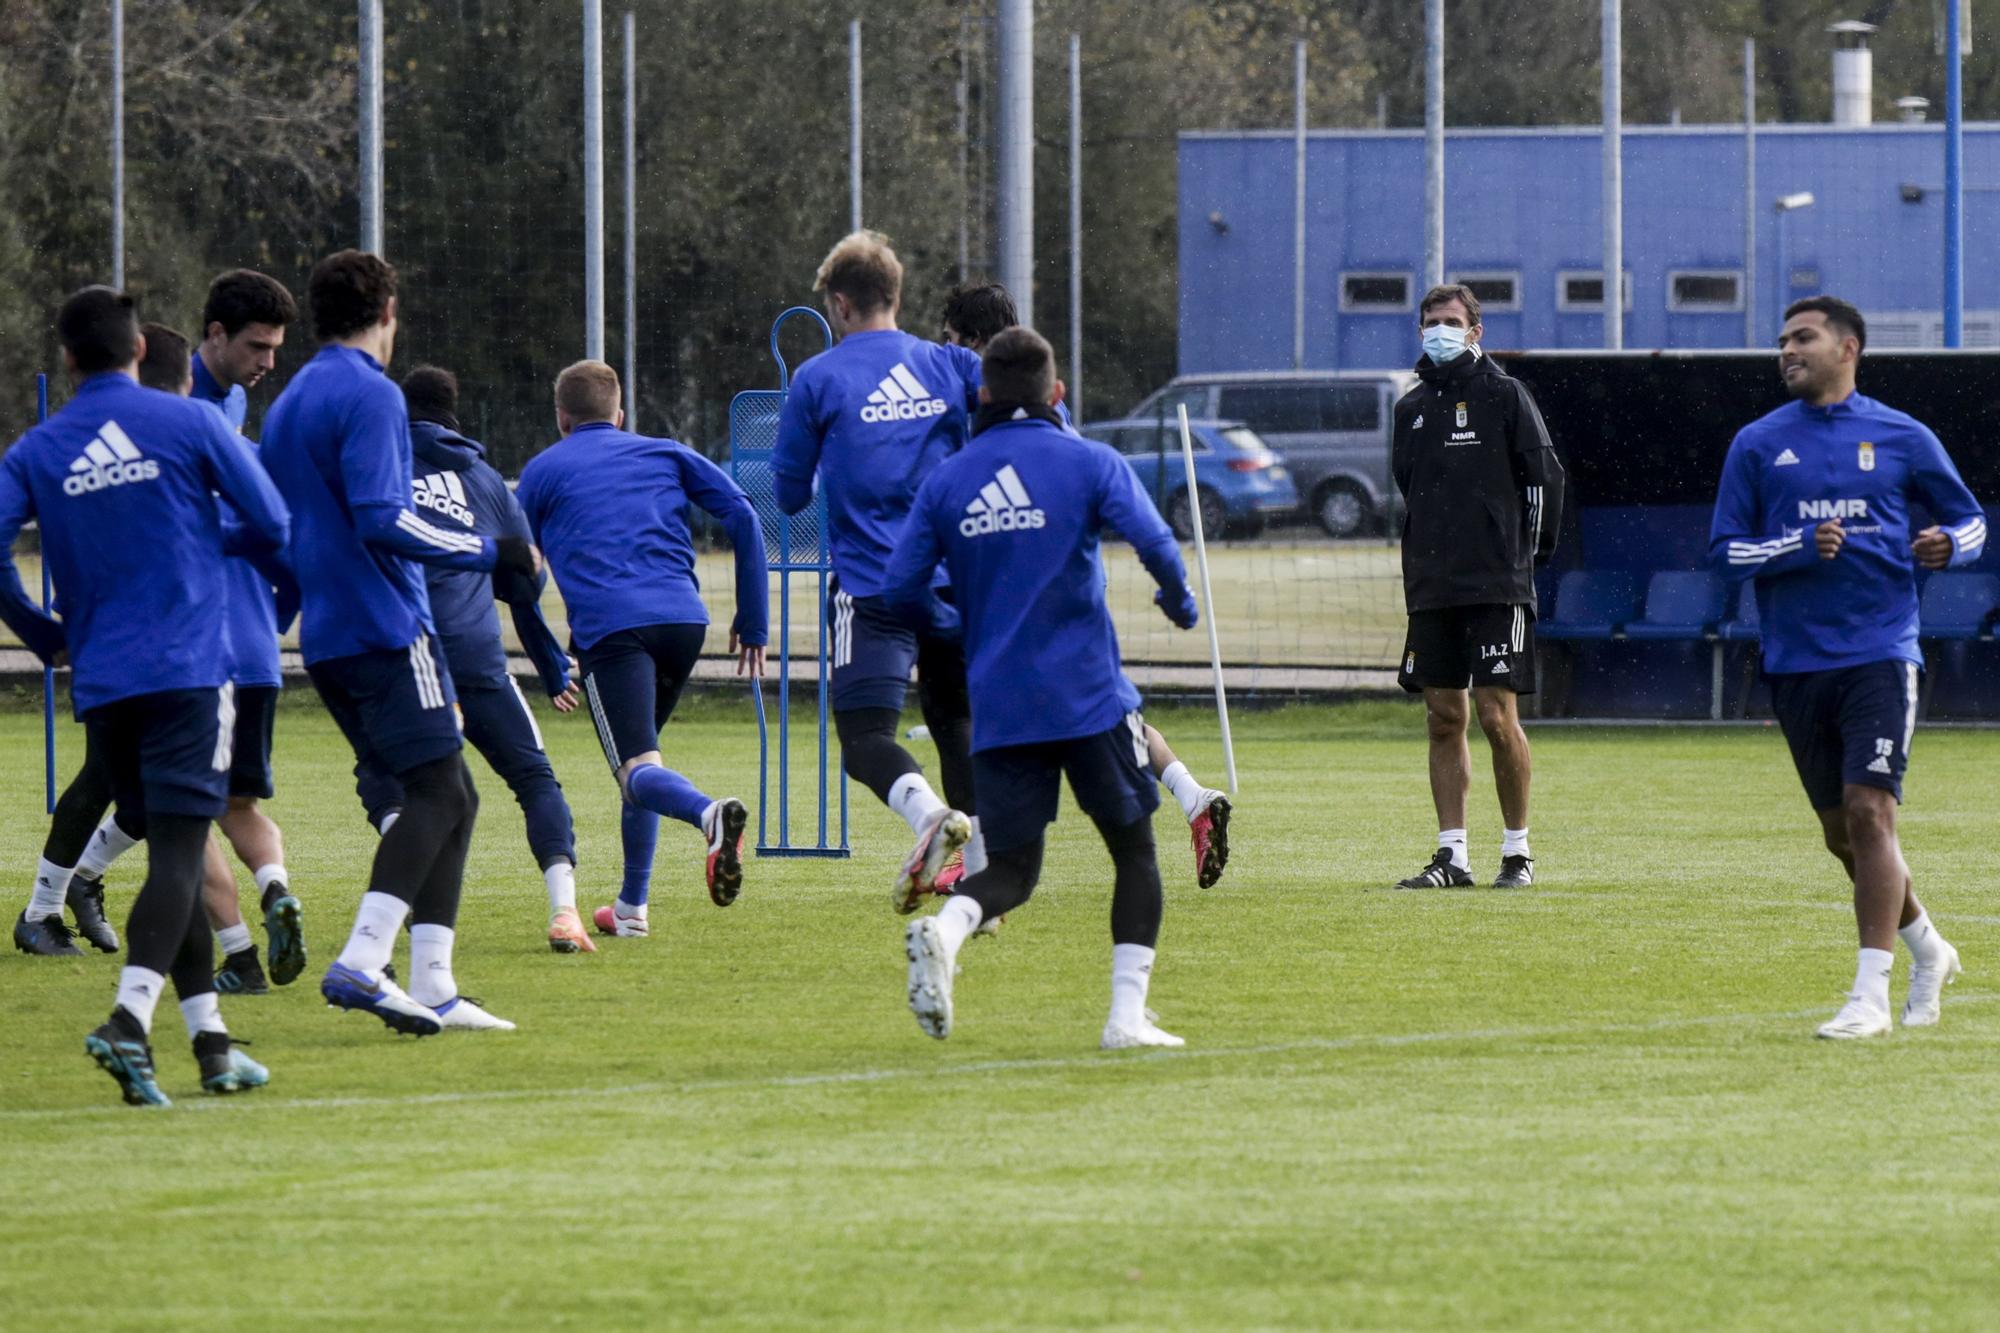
<point>48,672</point>
<point>1954,179</point>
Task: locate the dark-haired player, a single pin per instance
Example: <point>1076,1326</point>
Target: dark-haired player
<point>1815,505</point>
<point>870,419</point>
<point>151,680</point>
<point>973,316</point>
<point>456,488</point>
<point>610,507</point>
<point>1015,518</point>
<point>337,443</point>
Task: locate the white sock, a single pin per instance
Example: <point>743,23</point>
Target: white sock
<point>974,854</point>
<point>1871,977</point>
<point>233,939</point>
<point>431,981</point>
<point>1131,973</point>
<point>626,910</point>
<point>105,846</point>
<point>1926,946</point>
<point>708,819</point>
<point>266,875</point>
<point>1453,841</point>
<point>957,919</point>
<point>389,821</point>
<point>560,879</point>
<point>1186,790</point>
<point>202,1014</point>
<point>1514,842</point>
<point>913,800</point>
<point>51,885</point>
<point>139,993</point>
<point>373,939</point>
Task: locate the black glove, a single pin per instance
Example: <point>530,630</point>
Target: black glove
<point>1179,607</point>
<point>514,555</point>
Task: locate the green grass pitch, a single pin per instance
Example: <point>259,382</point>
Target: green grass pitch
<point>1594,1104</point>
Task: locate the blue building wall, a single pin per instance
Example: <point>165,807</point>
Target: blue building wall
<point>1528,202</point>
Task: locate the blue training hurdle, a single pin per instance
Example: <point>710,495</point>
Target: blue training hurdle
<point>793,544</point>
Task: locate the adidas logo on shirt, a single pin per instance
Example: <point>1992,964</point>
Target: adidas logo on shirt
<point>900,397</point>
<point>1785,459</point>
<point>1003,506</point>
<point>110,459</point>
<point>442,493</point>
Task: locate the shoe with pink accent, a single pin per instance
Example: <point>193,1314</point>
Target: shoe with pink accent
<point>609,922</point>
<point>1210,830</point>
<point>566,933</point>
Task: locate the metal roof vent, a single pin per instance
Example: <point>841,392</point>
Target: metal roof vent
<point>1914,110</point>
<point>1853,73</point>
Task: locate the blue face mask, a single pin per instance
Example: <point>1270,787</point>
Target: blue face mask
<point>1444,342</point>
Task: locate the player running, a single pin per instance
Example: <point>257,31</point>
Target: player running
<point>1815,505</point>
<point>1015,518</point>
<point>610,508</point>
<point>337,443</point>
<point>458,489</point>
<point>149,656</point>
<point>871,418</point>
<point>972,316</point>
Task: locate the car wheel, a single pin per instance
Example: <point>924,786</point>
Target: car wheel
<point>1214,518</point>
<point>1342,508</point>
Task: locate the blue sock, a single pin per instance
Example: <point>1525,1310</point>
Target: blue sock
<point>666,792</point>
<point>641,831</point>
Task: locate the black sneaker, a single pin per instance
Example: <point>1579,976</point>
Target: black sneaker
<point>50,937</point>
<point>1439,874</point>
<point>120,1049</point>
<point>86,904</point>
<point>1516,872</point>
<point>242,974</point>
<point>224,1068</point>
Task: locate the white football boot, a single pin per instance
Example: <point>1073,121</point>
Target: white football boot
<point>1857,1018</point>
<point>462,1013</point>
<point>930,977</point>
<point>945,832</point>
<point>1920,1010</point>
<point>1147,1033</point>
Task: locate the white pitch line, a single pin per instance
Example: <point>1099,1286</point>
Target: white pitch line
<point>1815,904</point>
<point>836,1078</point>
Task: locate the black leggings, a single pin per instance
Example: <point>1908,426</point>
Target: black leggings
<point>167,931</point>
<point>421,859</point>
<point>80,807</point>
<point>872,755</point>
<point>1136,901</point>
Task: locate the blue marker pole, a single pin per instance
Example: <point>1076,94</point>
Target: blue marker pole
<point>48,672</point>
<point>1954,178</point>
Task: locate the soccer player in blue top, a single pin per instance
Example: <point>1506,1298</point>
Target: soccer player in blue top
<point>610,508</point>
<point>1817,505</point>
<point>337,443</point>
<point>1015,518</point>
<point>151,679</point>
<point>457,488</point>
<point>869,420</point>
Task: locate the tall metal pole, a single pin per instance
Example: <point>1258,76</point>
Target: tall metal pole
<point>1614,179</point>
<point>1016,183</point>
<point>964,148</point>
<point>1954,177</point>
<point>1075,227</point>
<point>854,123</point>
<point>1433,142</point>
<point>118,144</point>
<point>371,126</point>
<point>593,179</point>
<point>1750,332</point>
<point>631,147</point>
<point>1299,205</point>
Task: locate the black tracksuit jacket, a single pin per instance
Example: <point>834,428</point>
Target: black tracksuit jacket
<point>1482,487</point>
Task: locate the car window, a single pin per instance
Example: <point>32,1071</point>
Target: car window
<point>1166,406</point>
<point>1116,438</point>
<point>1273,409</point>
<point>1350,407</point>
<point>1242,437</point>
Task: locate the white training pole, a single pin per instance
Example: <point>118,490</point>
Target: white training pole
<point>1207,598</point>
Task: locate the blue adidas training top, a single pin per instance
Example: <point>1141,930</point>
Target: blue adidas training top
<point>1015,518</point>
<point>337,443</point>
<point>872,417</point>
<point>122,482</point>
<point>1866,464</point>
<point>609,510</point>
<point>250,614</point>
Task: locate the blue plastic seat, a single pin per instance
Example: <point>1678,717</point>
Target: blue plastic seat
<point>1744,627</point>
<point>1958,606</point>
<point>1592,604</point>
<point>1681,605</point>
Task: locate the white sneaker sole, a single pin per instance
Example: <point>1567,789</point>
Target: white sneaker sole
<point>1855,1029</point>
<point>1928,1015</point>
<point>1146,1034</point>
<point>930,978</point>
<point>920,869</point>
<point>465,1016</point>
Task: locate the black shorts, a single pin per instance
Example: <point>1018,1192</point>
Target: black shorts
<point>166,753</point>
<point>873,652</point>
<point>1460,647</point>
<point>632,679</point>
<point>1849,725</point>
<point>250,759</point>
<point>394,706</point>
<point>1019,786</point>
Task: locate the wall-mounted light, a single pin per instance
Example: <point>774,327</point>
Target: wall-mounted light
<point>1912,192</point>
<point>1219,222</point>
<point>1791,203</point>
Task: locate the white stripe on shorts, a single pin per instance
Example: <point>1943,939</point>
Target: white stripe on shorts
<point>225,728</point>
<point>425,672</point>
<point>1909,707</point>
<point>528,713</point>
<point>603,723</point>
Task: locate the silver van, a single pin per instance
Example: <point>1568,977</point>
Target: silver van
<point>1332,426</point>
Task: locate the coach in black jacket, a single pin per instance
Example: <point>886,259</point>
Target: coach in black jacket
<point>1482,493</point>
